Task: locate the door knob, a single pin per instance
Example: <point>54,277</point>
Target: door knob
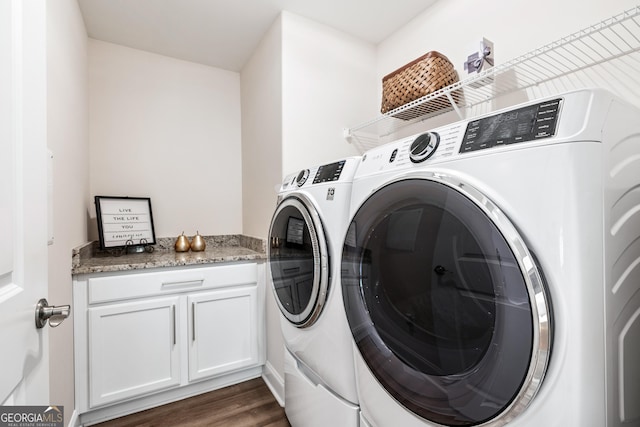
<point>55,315</point>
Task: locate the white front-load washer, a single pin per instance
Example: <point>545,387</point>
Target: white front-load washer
<point>491,270</point>
<point>305,242</point>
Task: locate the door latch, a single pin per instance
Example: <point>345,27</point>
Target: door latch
<point>55,315</point>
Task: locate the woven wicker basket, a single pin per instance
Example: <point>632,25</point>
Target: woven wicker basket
<point>418,78</point>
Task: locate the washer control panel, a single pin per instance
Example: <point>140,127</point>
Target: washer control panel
<point>539,121</point>
<point>511,127</point>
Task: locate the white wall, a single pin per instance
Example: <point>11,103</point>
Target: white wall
<point>302,86</point>
<point>170,130</point>
<point>328,85</point>
<point>67,136</point>
<point>261,81</point>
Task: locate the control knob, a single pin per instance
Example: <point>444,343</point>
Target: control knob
<point>423,147</point>
<point>302,177</point>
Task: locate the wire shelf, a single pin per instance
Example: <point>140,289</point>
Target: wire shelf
<point>604,55</point>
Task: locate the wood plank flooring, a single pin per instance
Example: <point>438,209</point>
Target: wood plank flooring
<point>248,404</point>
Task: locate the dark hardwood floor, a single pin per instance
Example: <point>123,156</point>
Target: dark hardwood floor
<point>248,404</point>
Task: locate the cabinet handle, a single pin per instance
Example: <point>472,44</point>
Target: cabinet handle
<point>183,284</point>
<point>193,321</point>
<point>173,311</point>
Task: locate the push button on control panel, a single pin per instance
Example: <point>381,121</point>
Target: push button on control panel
<point>393,156</point>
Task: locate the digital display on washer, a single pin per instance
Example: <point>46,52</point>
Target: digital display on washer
<point>330,172</point>
<point>523,124</point>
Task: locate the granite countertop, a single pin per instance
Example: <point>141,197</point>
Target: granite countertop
<point>89,258</point>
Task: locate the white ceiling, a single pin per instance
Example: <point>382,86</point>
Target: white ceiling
<point>224,33</point>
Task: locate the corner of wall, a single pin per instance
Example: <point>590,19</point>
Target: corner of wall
<point>261,100</point>
<point>67,138</point>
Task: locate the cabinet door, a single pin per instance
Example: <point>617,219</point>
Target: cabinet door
<point>133,349</point>
<point>223,331</point>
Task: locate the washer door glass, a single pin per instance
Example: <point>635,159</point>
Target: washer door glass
<point>451,320</point>
<point>298,261</point>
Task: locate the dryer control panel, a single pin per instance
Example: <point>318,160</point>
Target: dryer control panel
<point>340,172</point>
<point>328,173</point>
<point>511,127</point>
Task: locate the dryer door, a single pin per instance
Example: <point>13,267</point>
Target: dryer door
<point>445,303</point>
<point>298,260</point>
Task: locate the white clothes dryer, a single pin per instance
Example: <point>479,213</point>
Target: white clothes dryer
<point>491,270</point>
<point>304,262</point>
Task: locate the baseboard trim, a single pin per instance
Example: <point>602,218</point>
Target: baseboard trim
<point>74,421</point>
<point>127,407</point>
<point>274,381</point>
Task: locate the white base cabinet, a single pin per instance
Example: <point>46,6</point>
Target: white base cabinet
<point>133,349</point>
<point>222,331</point>
<point>145,338</point>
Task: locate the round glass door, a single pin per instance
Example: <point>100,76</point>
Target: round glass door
<point>298,261</point>
<point>445,303</point>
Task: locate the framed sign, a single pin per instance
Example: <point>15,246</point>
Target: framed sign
<point>124,221</point>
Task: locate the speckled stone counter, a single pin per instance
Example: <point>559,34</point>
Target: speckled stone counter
<point>88,258</point>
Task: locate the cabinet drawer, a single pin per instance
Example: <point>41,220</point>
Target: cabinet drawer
<point>134,285</point>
